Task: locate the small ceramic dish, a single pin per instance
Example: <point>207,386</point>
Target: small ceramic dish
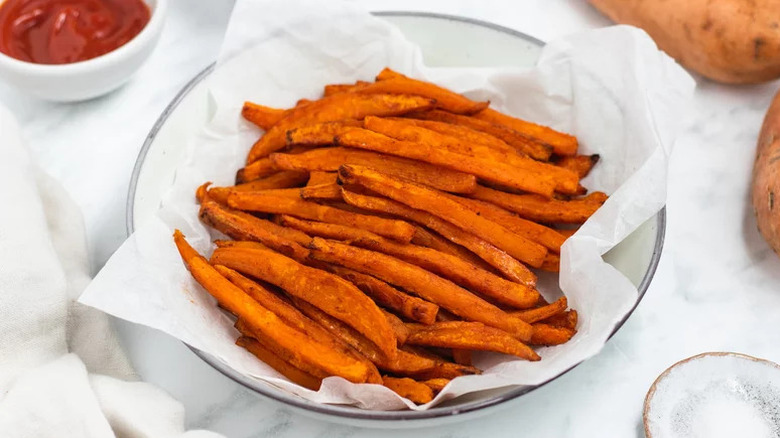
<point>715,395</point>
<point>93,77</point>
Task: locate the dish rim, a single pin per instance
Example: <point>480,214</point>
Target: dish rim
<point>352,413</point>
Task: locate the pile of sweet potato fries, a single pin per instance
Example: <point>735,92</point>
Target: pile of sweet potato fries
<point>389,229</point>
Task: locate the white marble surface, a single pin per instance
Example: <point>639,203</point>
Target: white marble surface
<point>716,287</point>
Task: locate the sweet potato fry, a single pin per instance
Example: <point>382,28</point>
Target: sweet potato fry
<point>262,116</point>
<point>535,315</point>
<point>520,142</point>
<point>567,319</point>
<point>566,181</point>
<point>429,239</point>
<point>284,368</point>
<point>580,164</point>
<point>333,108</point>
<point>445,265</point>
<point>562,144</point>
<point>330,159</point>
<point>549,238</point>
<point>332,89</point>
<point>400,329</point>
<point>388,73</point>
<point>317,178</point>
<point>419,281</point>
<point>508,266</point>
<point>303,351</point>
<point>537,208</point>
<point>255,170</point>
<point>409,307</point>
<point>320,134</point>
<point>445,99</point>
<point>330,293</point>
<point>461,356</point>
<point>463,133</point>
<point>279,180</point>
<point>423,198</point>
<point>566,232</point>
<point>544,334</point>
<point>242,226</point>
<point>410,389</point>
<point>552,263</point>
<point>485,168</point>
<point>436,384</point>
<point>322,192</point>
<point>445,370</point>
<point>470,336</point>
<point>257,201</point>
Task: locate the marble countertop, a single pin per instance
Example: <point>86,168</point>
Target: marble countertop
<point>716,288</point>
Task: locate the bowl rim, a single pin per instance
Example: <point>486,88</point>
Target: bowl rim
<point>153,27</point>
<point>349,412</point>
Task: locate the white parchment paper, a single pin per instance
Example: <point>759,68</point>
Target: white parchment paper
<point>611,88</point>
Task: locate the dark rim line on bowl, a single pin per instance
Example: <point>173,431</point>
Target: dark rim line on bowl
<point>351,412</point>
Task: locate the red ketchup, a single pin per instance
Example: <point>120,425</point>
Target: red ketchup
<point>66,31</point>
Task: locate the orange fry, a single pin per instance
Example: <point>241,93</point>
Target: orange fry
<point>463,133</point>
<point>301,348</point>
<point>320,134</point>
<point>486,168</point>
<point>317,178</point>
<point>536,208</point>
<point>419,281</point>
<point>535,315</point>
<point>257,169</point>
<point>567,319</point>
<point>284,368</point>
<point>330,293</point>
<point>257,201</point>
<point>332,89</point>
<point>470,336</point>
<point>552,263</point>
<point>333,108</point>
<point>544,334</point>
<point>262,116</point>
<point>322,192</point>
<point>461,356</point>
<point>330,159</point>
<point>429,239</point>
<point>580,164</point>
<point>508,266</point>
<point>520,142</point>
<point>562,144</point>
<point>279,180</point>
<point>410,389</point>
<point>437,385</point>
<point>400,329</point>
<point>423,198</point>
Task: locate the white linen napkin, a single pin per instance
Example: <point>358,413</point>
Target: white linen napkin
<point>62,371</point>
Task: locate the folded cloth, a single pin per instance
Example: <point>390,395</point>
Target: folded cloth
<point>62,371</point>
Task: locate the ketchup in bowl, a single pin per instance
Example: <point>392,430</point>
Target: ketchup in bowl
<point>66,31</point>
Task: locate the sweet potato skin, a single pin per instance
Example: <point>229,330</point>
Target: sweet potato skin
<point>766,177</point>
<point>735,42</point>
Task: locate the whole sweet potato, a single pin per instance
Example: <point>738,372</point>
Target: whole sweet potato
<point>766,177</point>
<point>731,41</point>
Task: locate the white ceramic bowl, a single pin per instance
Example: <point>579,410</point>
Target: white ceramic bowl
<point>93,77</point>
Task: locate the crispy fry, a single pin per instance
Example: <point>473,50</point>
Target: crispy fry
<point>279,180</point>
<point>566,181</point>
<point>437,385</point>
<point>284,368</point>
<point>503,262</point>
<point>400,329</point>
<point>445,99</point>
<point>562,144</point>
<point>410,389</point>
<point>330,293</point>
<point>520,142</point>
<point>567,319</point>
<point>447,266</point>
<point>549,238</point>
<point>330,159</point>
<point>470,336</point>
<point>485,168</point>
<point>552,263</point>
<point>464,133</point>
<point>317,178</point>
<point>429,239</point>
<point>322,192</point>
<point>332,108</point>
<point>257,169</point>
<point>320,134</point>
<point>385,295</point>
<point>423,198</point>
<point>545,334</point>
<point>535,315</point>
<point>262,116</point>
<point>537,208</point>
<point>304,352</point>
<point>446,370</point>
<point>419,281</point>
<point>566,232</point>
<point>388,73</point>
<point>332,89</point>
<point>461,356</point>
<point>242,226</point>
<point>580,164</point>
<point>257,201</point>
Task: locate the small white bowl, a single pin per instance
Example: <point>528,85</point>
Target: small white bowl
<point>91,78</point>
<point>715,395</point>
